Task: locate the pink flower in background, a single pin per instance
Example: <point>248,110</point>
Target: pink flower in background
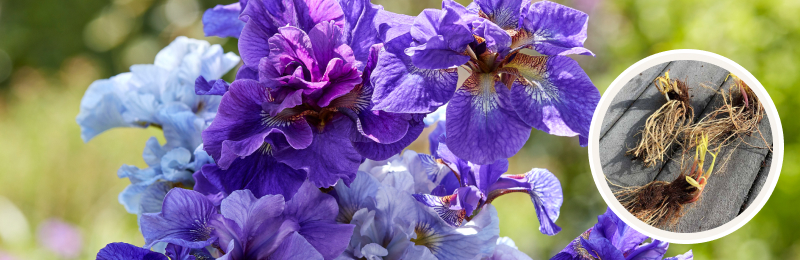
<point>59,237</point>
<point>4,256</point>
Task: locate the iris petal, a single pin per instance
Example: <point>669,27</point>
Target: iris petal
<point>553,94</point>
<point>482,126</point>
<point>552,29</point>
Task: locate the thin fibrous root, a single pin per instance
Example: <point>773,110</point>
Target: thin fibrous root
<point>739,116</point>
<point>664,126</point>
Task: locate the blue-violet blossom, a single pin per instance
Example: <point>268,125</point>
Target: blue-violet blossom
<point>507,92</point>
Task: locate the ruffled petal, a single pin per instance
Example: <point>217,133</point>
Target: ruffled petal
<point>482,126</point>
<point>553,94</point>
<point>242,124</point>
<point>360,31</point>
<point>210,87</point>
<point>553,29</point>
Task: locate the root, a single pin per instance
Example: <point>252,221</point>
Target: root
<point>664,126</point>
<point>659,203</point>
<point>738,117</point>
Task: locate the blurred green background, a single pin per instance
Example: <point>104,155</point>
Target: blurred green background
<point>51,50</point>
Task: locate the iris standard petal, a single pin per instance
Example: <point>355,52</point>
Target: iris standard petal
<point>553,94</point>
<point>482,126</point>
<point>553,29</point>
<point>401,87</point>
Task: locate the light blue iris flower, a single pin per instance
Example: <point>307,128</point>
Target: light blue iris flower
<point>160,94</point>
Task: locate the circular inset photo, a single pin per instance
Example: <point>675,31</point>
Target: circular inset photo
<point>686,146</point>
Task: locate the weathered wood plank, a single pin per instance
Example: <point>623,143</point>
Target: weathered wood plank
<point>630,93</point>
<point>622,169</point>
<point>755,190</point>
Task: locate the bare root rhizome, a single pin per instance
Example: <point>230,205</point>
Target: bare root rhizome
<point>662,127</point>
<point>660,203</point>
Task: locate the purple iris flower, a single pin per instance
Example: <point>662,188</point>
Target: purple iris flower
<point>508,92</point>
<point>612,239</point>
<point>243,226</point>
<point>301,105</point>
<point>471,186</point>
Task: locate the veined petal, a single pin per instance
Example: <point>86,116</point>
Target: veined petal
<point>401,87</point>
<point>649,251</point>
<point>504,13</point>
<point>453,209</point>
<point>184,220</point>
<point>622,236</point>
<point>315,212</point>
<point>552,29</point>
<point>553,94</point>
<point>482,126</point>
<point>601,248</point>
<point>223,21</point>
<point>545,191</point>
<point>260,173</point>
<point>334,155</point>
<point>296,247</point>
<point>242,124</point>
<point>360,31</point>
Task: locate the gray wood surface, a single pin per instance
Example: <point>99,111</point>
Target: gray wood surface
<point>739,174</point>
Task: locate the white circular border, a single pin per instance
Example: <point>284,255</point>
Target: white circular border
<point>668,236</point>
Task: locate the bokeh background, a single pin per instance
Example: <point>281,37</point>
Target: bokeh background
<point>54,185</point>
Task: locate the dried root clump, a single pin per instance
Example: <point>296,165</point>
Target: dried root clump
<point>663,127</point>
<point>659,203</point>
<point>739,116</point>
